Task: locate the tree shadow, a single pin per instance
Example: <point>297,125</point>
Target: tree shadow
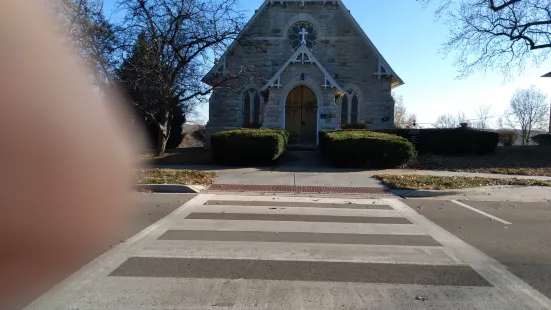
<point>199,158</point>
<point>181,156</point>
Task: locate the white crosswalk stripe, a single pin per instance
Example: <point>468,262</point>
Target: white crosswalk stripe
<point>250,261</point>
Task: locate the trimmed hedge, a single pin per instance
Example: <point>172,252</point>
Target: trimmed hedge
<point>542,139</point>
<point>456,141</point>
<point>354,126</point>
<point>249,146</point>
<point>365,149</point>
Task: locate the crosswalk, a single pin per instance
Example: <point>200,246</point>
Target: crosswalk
<point>275,252</point>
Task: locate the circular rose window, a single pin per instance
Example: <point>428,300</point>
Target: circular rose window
<point>302,33</point>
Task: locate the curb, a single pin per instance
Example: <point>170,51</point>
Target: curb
<point>422,193</point>
<point>170,188</point>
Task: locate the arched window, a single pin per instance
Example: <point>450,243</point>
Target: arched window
<point>247,110</point>
<point>350,108</point>
<point>354,110</point>
<point>344,110</point>
<point>251,108</point>
<point>256,109</point>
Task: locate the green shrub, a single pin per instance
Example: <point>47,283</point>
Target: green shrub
<point>508,137</point>
<point>354,126</point>
<point>365,149</point>
<point>456,141</point>
<point>542,139</point>
<point>249,146</point>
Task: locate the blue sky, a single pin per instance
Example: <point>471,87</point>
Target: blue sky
<point>409,38</point>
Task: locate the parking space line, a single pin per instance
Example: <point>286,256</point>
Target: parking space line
<point>492,270</point>
<point>481,212</point>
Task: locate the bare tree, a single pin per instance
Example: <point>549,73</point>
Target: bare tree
<point>500,122</point>
<point>496,34</point>
<point>528,110</point>
<point>483,117</point>
<point>183,37</point>
<point>450,121</point>
<point>84,25</point>
<point>402,118</point>
<point>446,121</point>
<point>460,118</point>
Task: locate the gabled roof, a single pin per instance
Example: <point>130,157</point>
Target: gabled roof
<point>303,55</point>
<point>360,30</point>
<point>387,68</point>
<point>547,75</point>
<point>248,25</point>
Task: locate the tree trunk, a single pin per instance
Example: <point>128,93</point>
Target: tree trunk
<point>525,137</point>
<point>161,143</point>
<point>163,134</point>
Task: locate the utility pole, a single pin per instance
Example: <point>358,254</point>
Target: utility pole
<point>549,76</point>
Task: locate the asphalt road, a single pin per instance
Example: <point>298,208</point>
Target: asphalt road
<point>524,247</point>
<point>149,208</point>
<point>146,209</point>
<point>275,252</point>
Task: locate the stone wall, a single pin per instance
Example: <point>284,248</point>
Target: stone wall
<point>340,49</point>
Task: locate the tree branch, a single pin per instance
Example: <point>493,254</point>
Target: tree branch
<point>502,6</point>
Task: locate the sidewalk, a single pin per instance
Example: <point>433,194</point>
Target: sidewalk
<point>322,176</point>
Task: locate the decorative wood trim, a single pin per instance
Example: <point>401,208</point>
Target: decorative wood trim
<point>299,57</point>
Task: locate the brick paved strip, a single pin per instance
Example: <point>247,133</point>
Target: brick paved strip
<point>299,271</point>
<point>299,189</point>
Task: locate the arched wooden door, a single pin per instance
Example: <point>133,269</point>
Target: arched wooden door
<point>301,115</point>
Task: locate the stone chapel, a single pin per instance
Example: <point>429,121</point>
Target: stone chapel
<point>313,68</point>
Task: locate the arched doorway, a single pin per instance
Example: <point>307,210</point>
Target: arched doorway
<point>301,115</point>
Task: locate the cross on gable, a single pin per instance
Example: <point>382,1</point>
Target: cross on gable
<point>381,71</point>
<point>303,33</point>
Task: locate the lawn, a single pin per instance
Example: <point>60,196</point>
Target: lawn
<point>514,160</point>
<point>170,176</point>
<point>427,182</point>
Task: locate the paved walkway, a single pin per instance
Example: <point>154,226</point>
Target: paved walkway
<point>309,169</point>
<point>258,252</point>
<point>307,176</point>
